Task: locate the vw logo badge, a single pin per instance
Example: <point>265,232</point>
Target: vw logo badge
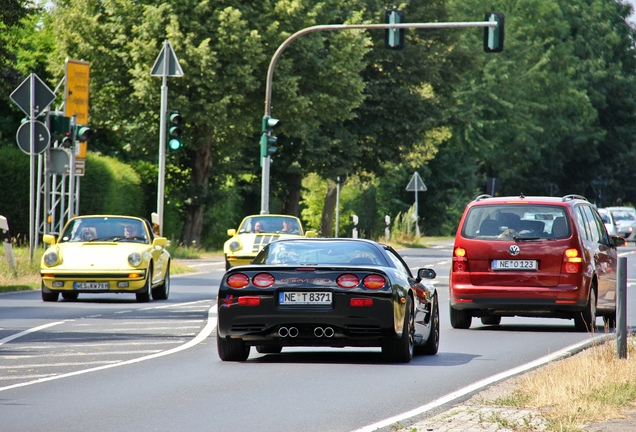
<point>514,250</point>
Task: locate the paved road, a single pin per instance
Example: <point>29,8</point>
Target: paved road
<point>121,365</point>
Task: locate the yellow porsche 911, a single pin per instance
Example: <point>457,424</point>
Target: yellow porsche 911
<point>106,254</point>
<point>255,232</point>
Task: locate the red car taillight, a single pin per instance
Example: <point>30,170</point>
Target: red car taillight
<point>373,281</point>
<point>249,301</point>
<point>361,302</point>
<point>348,280</point>
<point>238,280</point>
<point>263,280</point>
<point>460,262</point>
<point>571,261</point>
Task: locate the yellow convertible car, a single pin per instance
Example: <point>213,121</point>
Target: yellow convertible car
<point>106,254</point>
<point>255,232</point>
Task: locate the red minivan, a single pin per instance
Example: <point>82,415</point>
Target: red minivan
<point>535,257</point>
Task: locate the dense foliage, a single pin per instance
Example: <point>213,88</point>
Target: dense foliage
<point>553,113</point>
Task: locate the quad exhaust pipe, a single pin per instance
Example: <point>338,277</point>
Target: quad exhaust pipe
<point>285,332</point>
<point>318,332</point>
<point>326,332</point>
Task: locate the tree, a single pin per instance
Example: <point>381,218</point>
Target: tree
<point>537,114</point>
<point>404,96</point>
<point>224,49</point>
<point>15,16</point>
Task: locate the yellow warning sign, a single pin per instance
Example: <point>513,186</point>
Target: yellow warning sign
<point>76,94</point>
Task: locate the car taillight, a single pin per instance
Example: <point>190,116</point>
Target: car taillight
<point>361,302</point>
<point>460,262</point>
<point>238,280</point>
<point>249,301</point>
<point>263,280</point>
<point>373,281</point>
<point>348,280</point>
<point>571,261</point>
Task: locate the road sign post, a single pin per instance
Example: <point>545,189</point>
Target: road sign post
<point>416,185</point>
<point>166,65</point>
<point>33,97</point>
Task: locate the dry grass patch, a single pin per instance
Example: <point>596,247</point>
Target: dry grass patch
<point>592,386</point>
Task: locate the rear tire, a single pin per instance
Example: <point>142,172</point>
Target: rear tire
<point>231,349</point>
<point>269,349</point>
<point>585,321</point>
<point>491,320</point>
<point>432,343</point>
<point>609,321</point>
<point>460,319</point>
<point>401,350</point>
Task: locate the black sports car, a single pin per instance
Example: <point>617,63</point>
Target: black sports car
<point>331,293</point>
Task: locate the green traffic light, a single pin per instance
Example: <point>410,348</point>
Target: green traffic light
<point>174,130</point>
<point>270,123</point>
<point>84,133</point>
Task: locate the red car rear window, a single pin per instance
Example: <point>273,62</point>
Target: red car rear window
<point>505,221</point>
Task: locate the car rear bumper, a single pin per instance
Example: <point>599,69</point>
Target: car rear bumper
<point>309,327</point>
<point>505,300</point>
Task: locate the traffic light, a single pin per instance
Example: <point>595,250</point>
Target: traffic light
<point>268,141</point>
<point>394,38</point>
<point>494,36</point>
<point>84,133</point>
<point>60,127</point>
<point>174,130</point>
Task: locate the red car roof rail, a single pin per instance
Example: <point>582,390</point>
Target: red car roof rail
<point>573,196</point>
<point>483,196</point>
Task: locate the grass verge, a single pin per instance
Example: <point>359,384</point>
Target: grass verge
<point>592,386</point>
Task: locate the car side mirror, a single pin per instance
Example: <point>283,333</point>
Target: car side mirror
<point>160,241</point>
<point>49,239</point>
<point>618,241</point>
<point>231,232</point>
<point>426,273</point>
<point>311,234</point>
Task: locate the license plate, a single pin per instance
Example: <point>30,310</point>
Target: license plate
<point>90,285</point>
<point>514,264</point>
<point>305,298</point>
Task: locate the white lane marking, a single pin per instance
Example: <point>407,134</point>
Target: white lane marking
<point>203,334</point>
<point>78,354</point>
<point>108,343</point>
<point>565,352</point>
<point>28,366</point>
<point>26,332</point>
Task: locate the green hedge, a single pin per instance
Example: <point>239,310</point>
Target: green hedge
<point>108,187</point>
<point>111,187</point>
<point>14,184</point>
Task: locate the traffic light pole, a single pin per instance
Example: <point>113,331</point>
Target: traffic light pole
<point>338,27</point>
